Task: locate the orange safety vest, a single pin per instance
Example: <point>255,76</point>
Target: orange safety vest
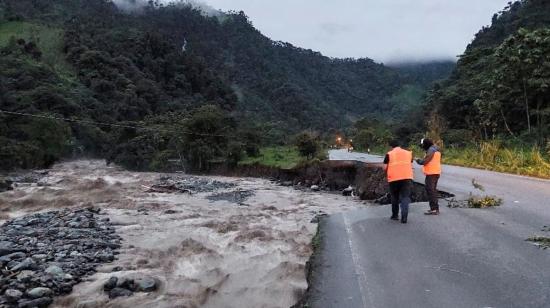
<point>400,165</point>
<point>434,166</point>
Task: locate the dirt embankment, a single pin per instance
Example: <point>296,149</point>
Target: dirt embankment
<point>368,179</point>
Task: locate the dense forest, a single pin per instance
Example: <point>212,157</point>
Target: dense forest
<point>500,88</point>
<point>141,87</point>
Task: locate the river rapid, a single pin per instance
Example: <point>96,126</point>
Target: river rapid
<point>204,251</point>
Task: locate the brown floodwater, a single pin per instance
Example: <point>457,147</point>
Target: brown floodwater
<point>204,253</point>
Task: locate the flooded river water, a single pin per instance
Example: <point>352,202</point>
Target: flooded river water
<point>204,250</point>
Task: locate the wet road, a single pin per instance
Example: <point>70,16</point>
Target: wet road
<point>462,258</point>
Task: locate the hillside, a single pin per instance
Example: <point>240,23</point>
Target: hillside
<point>500,84</point>
<point>89,60</point>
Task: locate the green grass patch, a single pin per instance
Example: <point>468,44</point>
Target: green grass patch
<point>279,157</point>
<point>493,156</point>
<point>49,41</point>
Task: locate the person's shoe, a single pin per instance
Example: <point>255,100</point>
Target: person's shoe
<point>403,220</point>
<point>432,212</point>
<point>394,218</point>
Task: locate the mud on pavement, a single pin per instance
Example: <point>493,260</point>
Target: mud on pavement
<point>201,248</point>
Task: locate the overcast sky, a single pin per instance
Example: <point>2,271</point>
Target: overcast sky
<point>384,30</point>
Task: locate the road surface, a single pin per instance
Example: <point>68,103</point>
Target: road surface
<point>462,258</point>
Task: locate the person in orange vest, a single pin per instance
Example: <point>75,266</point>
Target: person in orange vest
<point>399,171</point>
<point>431,166</point>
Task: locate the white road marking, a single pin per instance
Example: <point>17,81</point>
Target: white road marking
<point>359,271</point>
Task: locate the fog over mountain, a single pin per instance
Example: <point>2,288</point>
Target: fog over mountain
<point>136,5</point>
<point>386,31</point>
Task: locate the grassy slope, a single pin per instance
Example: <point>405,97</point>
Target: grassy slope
<point>48,39</point>
<point>491,156</point>
<point>280,157</point>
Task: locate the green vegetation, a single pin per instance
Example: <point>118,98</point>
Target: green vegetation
<point>483,202</point>
<point>308,144</point>
<point>494,156</point>
<point>494,110</point>
<point>284,157</point>
<point>209,90</point>
<point>541,241</point>
<point>49,40</point>
<point>476,201</point>
<point>87,60</point>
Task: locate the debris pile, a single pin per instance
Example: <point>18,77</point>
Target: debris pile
<point>188,185</point>
<point>46,254</point>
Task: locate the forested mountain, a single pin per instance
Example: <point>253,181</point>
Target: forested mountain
<point>424,74</point>
<point>88,60</point>
<point>500,86</point>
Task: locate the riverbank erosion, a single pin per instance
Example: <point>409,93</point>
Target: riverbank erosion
<point>368,180</point>
<point>185,240</point>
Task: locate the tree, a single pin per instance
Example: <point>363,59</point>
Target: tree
<point>204,137</point>
<point>307,143</point>
<point>522,81</point>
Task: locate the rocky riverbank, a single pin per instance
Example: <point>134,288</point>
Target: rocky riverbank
<point>44,255</point>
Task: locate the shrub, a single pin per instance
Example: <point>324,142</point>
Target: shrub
<point>307,143</point>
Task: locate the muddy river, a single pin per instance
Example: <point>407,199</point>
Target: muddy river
<point>224,242</point>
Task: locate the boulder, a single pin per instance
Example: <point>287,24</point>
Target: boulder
<point>25,275</point>
<point>118,292</point>
<point>6,248</point>
<point>39,292</point>
<point>126,283</point>
<point>27,264</point>
<point>16,256</point>
<point>146,284</point>
<point>13,295</point>
<point>55,271</point>
<point>110,284</point>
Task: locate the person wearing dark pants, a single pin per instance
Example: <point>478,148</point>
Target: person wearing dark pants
<point>400,192</point>
<point>431,166</point>
<point>399,172</point>
<point>431,188</point>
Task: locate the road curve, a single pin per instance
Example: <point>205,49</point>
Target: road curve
<point>462,258</point>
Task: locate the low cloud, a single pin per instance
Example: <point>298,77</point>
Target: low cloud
<point>137,5</point>
<point>386,31</point>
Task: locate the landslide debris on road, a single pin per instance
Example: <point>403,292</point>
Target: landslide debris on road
<point>45,254</point>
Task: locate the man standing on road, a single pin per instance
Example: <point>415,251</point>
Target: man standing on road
<point>431,166</point>
<point>399,172</point>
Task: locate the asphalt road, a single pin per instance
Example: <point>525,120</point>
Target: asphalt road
<point>462,258</point>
